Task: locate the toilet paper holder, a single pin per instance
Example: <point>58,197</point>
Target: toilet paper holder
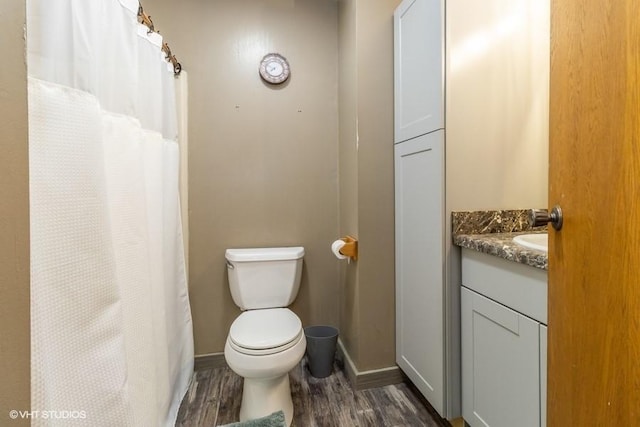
<point>350,247</point>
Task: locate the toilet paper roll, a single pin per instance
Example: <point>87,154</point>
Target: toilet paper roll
<point>335,248</point>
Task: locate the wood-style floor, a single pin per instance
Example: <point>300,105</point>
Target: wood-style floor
<point>215,395</point>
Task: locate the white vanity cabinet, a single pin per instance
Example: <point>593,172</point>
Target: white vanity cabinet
<point>503,317</point>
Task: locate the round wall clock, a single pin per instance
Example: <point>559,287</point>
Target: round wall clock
<point>274,68</point>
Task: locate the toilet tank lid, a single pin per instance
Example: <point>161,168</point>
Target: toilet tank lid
<point>264,254</point>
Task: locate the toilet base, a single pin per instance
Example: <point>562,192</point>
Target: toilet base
<point>264,396</point>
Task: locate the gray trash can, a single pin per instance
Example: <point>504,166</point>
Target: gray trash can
<point>321,349</point>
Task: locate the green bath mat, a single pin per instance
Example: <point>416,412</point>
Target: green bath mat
<point>274,420</point>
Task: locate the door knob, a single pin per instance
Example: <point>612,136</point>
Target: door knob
<point>539,217</point>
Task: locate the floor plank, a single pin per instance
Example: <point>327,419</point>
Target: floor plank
<point>215,395</point>
<point>200,405</point>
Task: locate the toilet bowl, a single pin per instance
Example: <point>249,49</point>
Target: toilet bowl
<point>265,362</point>
<point>266,340</point>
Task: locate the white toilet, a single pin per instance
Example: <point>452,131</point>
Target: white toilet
<point>267,340</point>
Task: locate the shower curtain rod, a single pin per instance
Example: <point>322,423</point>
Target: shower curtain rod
<point>145,19</point>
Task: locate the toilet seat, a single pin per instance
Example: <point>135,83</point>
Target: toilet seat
<point>265,331</point>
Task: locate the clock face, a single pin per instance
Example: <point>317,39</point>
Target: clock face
<point>274,68</point>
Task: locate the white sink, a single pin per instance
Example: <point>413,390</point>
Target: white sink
<point>538,242</point>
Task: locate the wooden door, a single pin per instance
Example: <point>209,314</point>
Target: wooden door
<point>418,68</point>
<point>594,264</point>
<point>419,200</point>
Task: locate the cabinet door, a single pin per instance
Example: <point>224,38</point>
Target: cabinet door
<point>500,365</point>
<point>418,68</point>
<point>543,376</point>
<point>419,185</point>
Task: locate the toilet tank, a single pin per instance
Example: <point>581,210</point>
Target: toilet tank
<point>264,277</point>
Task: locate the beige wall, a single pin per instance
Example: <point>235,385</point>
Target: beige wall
<point>497,109</point>
<point>266,167</point>
<point>348,172</point>
<point>375,183</point>
<point>366,180</point>
<point>263,163</point>
<point>14,216</point>
<point>497,104</point>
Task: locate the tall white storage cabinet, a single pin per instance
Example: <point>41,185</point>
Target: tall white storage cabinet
<point>419,263</point>
<point>419,195</point>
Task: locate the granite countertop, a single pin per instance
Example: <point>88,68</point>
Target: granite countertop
<point>492,232</point>
<point>503,246</point>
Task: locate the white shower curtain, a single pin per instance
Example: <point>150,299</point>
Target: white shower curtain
<point>111,340</point>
